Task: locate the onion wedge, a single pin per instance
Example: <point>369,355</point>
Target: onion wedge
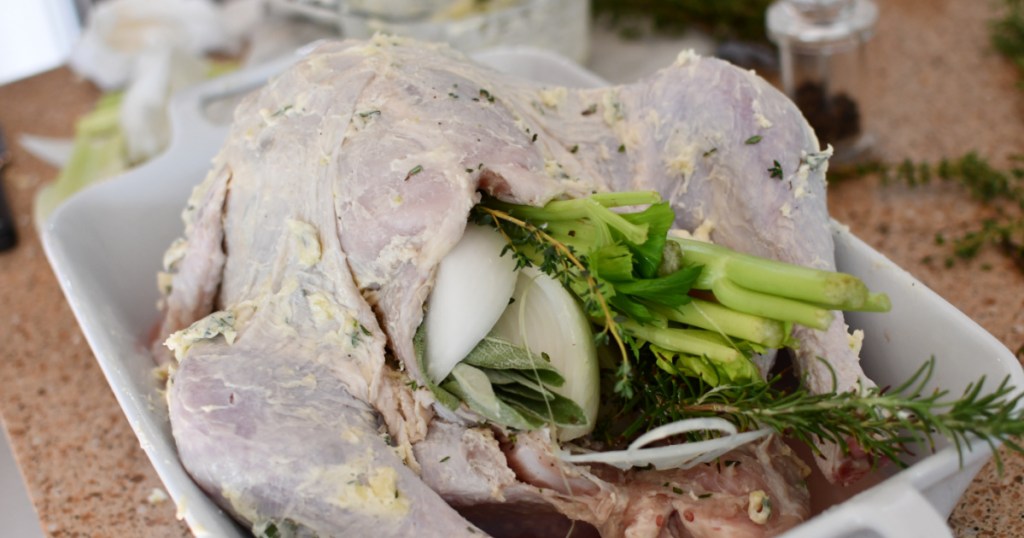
<point>471,290</point>
<point>546,320</point>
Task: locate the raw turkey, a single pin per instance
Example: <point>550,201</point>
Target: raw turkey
<point>295,397</point>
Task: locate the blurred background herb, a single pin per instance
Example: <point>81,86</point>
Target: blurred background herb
<point>1008,33</point>
<point>723,19</point>
<point>1002,190</point>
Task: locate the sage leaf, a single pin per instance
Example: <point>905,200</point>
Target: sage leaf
<point>498,354</point>
<point>443,397</point>
<point>561,410</point>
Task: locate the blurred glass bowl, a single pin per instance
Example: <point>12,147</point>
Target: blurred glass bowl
<point>560,26</point>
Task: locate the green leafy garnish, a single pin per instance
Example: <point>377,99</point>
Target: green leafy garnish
<point>635,282</point>
<point>684,356</point>
<point>884,422</point>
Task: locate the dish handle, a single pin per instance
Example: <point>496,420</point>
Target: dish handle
<point>190,121</point>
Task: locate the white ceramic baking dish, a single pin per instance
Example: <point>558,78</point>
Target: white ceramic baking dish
<point>106,243</point>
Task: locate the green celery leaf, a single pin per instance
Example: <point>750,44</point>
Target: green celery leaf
<point>634,309</point>
<point>669,290</point>
<point>659,219</point>
<point>613,263</point>
<point>712,372</point>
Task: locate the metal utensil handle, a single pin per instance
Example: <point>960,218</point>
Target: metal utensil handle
<point>8,233</point>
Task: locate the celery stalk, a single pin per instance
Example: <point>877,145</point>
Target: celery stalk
<point>770,306</point>
<point>721,319</point>
<point>828,289</point>
<point>691,341</point>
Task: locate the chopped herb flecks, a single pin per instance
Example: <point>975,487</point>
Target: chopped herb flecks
<point>358,333</point>
<point>486,95</point>
<point>752,140</point>
<point>415,170</point>
<point>589,110</point>
<point>776,170</point>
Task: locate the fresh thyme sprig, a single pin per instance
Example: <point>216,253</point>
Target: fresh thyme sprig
<point>886,424</point>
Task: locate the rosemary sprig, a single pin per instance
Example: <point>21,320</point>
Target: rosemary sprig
<point>886,424</point>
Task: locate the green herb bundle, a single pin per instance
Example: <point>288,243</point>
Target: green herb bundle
<point>685,357</point>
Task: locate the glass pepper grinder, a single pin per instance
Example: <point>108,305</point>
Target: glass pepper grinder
<point>822,53</point>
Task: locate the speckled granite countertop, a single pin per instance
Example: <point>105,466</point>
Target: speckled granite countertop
<point>935,90</point>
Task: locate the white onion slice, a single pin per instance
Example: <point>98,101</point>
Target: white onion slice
<point>471,290</point>
<point>545,318</point>
<point>679,456</point>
